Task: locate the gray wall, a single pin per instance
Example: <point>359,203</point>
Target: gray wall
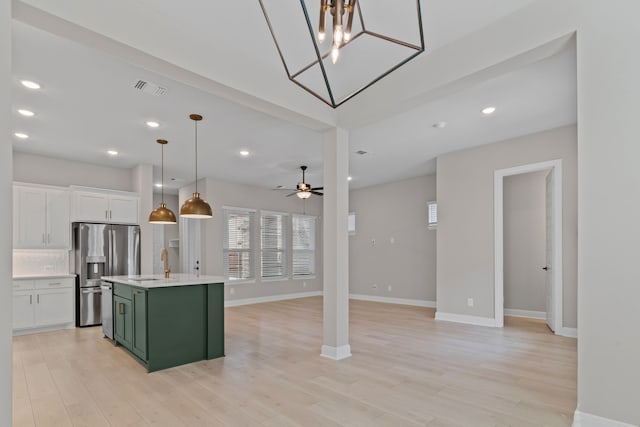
<point>221,193</point>
<point>395,211</point>
<point>465,261</point>
<point>51,171</point>
<point>524,242</point>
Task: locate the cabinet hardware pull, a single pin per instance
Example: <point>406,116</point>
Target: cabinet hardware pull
<point>106,214</point>
<point>120,308</point>
<point>48,237</point>
<point>43,241</point>
<point>30,299</point>
<point>55,283</point>
<point>38,298</point>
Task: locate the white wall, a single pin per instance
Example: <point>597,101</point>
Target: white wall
<point>51,171</point>
<point>221,193</point>
<point>6,215</point>
<point>142,177</point>
<point>524,242</point>
<point>609,183</point>
<point>465,261</point>
<point>395,212</point>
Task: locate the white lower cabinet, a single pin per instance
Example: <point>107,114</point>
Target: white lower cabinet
<point>43,303</point>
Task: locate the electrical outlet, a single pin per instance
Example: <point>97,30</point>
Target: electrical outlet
<point>232,291</point>
<point>373,242</point>
<point>389,288</point>
<point>374,286</point>
<point>470,302</point>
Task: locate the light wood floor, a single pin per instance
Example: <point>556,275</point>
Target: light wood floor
<point>406,370</point>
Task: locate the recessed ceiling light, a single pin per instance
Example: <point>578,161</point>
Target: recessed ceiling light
<point>158,185</point>
<point>153,124</point>
<point>112,152</point>
<point>29,84</point>
<point>488,110</point>
<point>244,153</point>
<point>439,125</point>
<point>26,113</point>
<point>21,135</point>
<point>349,178</point>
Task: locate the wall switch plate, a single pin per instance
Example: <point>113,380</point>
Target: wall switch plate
<point>374,286</point>
<point>470,302</point>
<point>389,288</point>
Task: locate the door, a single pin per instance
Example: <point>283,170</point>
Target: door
<point>190,241</point>
<point>139,339</point>
<point>549,235</point>
<point>122,321</point>
<point>29,218</point>
<point>123,209</point>
<point>54,307</point>
<point>23,310</point>
<point>57,219</point>
<point>125,250</point>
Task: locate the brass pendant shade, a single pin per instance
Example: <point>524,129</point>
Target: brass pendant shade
<point>195,207</point>
<point>162,214</point>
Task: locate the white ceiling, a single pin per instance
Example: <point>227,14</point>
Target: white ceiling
<point>88,104</point>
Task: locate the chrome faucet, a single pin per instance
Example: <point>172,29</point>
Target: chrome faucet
<point>164,256</point>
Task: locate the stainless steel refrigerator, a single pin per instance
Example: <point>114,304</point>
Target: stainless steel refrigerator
<point>101,250</point>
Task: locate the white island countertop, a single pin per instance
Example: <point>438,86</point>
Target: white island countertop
<point>150,281</point>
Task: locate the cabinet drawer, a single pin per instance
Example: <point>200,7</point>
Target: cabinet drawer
<point>54,283</point>
<point>19,285</point>
<point>123,291</point>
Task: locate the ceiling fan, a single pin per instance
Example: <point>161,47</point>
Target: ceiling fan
<point>304,190</point>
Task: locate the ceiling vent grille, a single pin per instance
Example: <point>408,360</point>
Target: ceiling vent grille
<point>361,152</point>
<point>150,88</point>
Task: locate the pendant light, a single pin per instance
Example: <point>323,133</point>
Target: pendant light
<point>195,207</point>
<point>162,214</point>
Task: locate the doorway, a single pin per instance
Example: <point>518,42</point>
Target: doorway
<point>553,267</point>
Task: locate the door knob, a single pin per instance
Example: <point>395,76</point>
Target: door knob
<point>545,268</point>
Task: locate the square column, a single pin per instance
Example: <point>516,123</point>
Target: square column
<point>335,146</point>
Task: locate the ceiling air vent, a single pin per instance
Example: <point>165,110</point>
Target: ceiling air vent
<point>150,88</point>
<point>361,152</point>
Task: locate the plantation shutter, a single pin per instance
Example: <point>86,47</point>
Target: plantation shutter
<point>238,248</point>
<point>304,245</point>
<point>273,245</point>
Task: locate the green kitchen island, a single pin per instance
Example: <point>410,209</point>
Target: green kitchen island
<point>169,322</point>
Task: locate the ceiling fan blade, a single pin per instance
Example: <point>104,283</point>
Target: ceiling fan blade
<point>291,194</point>
<point>283,189</point>
<point>318,188</point>
<point>316,193</point>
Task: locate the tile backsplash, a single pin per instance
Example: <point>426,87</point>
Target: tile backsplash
<point>33,262</point>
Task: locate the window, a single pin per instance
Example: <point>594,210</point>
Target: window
<point>273,245</point>
<point>238,244</point>
<point>304,245</point>
<point>433,214</point>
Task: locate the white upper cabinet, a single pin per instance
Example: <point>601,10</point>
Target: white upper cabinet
<point>105,206</point>
<point>40,217</point>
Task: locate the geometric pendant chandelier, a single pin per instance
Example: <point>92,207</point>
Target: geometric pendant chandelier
<point>335,49</point>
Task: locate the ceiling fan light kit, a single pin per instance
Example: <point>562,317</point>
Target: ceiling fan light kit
<point>304,190</point>
<point>358,56</point>
<point>162,214</point>
<point>195,207</point>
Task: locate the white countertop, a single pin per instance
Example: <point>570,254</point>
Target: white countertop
<point>150,281</point>
<point>42,276</point>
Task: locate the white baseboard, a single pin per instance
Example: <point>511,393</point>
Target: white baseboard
<point>18,332</point>
<point>463,318</point>
<point>270,298</point>
<point>582,419</point>
<point>568,332</point>
<point>525,313</point>
<point>336,353</point>
<point>389,300</point>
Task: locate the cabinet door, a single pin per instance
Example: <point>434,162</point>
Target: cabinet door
<point>54,307</point>
<point>122,321</point>
<point>57,219</point>
<point>90,206</point>
<point>29,205</point>
<point>123,209</point>
<point>23,310</point>
<point>139,343</point>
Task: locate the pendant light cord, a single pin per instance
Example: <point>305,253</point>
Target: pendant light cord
<point>196,162</point>
<point>162,173</point>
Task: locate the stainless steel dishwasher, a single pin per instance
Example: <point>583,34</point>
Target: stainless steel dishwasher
<point>107,309</point>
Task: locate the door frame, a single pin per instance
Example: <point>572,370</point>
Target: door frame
<point>555,167</point>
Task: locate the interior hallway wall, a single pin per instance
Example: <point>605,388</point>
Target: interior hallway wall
<point>394,215</point>
<point>465,261</point>
<point>525,241</point>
